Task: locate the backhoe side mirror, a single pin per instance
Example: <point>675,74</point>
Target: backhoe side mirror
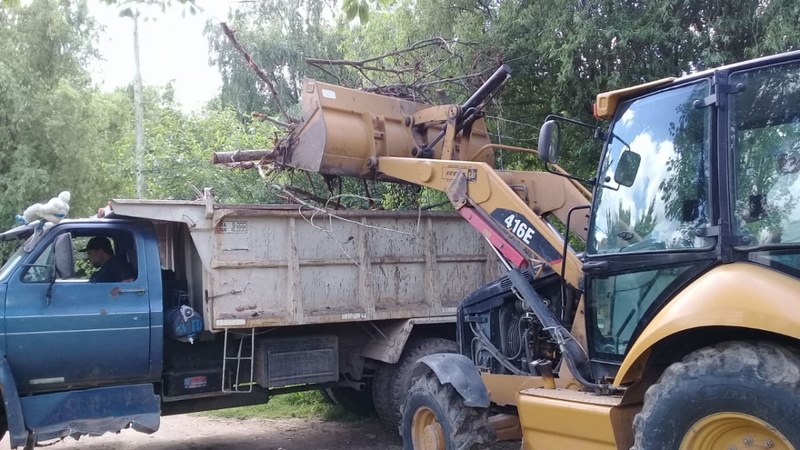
<point>549,142</point>
<point>627,168</point>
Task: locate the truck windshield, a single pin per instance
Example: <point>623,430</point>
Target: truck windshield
<point>12,261</point>
<point>668,199</point>
<point>765,121</point>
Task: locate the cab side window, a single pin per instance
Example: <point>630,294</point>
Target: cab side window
<point>108,257</point>
<point>765,122</point>
<point>99,256</point>
<point>42,269</point>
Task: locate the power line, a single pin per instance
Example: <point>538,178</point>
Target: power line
<point>513,121</point>
<point>513,138</point>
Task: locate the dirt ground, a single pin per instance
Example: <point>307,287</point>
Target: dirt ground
<point>189,432</point>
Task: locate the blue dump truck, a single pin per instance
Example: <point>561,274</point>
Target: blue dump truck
<point>227,306</point>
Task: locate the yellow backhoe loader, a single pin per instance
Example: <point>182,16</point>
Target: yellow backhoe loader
<point>677,328</point>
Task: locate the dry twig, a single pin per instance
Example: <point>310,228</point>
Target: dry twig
<point>258,70</point>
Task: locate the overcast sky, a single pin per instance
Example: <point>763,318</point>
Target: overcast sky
<point>171,47</point>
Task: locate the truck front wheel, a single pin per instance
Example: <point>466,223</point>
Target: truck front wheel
<point>730,395</point>
<point>434,417</point>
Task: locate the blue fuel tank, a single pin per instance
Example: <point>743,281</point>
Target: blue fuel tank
<point>183,323</point>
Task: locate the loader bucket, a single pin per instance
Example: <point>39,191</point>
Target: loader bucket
<point>343,132</point>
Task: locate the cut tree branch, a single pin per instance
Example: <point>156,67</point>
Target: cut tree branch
<point>262,116</point>
<point>239,156</point>
<point>361,63</point>
<point>241,165</point>
<point>432,83</point>
<point>308,195</point>
<point>258,70</point>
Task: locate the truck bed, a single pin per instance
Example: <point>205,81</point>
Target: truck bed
<point>279,265</point>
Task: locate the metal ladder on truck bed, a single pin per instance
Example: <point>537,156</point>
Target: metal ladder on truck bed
<point>236,385</point>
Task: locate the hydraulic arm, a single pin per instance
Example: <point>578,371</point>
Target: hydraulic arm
<point>445,147</point>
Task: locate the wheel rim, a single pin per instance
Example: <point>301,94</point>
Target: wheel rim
<point>426,431</point>
<point>733,431</point>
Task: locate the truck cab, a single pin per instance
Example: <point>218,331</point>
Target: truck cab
<point>84,334</point>
<point>66,341</point>
<point>227,305</point>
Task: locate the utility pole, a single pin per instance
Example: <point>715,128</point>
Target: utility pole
<point>138,113</point>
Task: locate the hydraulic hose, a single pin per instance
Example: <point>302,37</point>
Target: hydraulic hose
<point>574,355</point>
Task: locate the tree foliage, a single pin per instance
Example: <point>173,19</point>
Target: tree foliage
<point>51,133</point>
<point>58,132</point>
<point>177,163</point>
<point>278,34</point>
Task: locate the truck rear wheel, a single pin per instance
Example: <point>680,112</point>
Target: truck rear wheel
<point>730,395</point>
<point>357,402</point>
<point>382,393</point>
<point>392,381</point>
<point>434,417</point>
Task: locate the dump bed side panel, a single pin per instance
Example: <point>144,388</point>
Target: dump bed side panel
<point>272,268</point>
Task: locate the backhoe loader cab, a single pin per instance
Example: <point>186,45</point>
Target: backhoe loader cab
<point>678,326</point>
<point>691,269</point>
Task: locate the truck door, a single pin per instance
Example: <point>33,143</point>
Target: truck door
<point>68,333</point>
<point>651,229</point>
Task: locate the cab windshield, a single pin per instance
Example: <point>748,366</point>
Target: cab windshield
<point>667,200</point>
<point>11,262</point>
<point>12,243</point>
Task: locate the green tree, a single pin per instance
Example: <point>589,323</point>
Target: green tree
<point>179,147</point>
<point>279,35</point>
<point>564,53</point>
<point>49,138</point>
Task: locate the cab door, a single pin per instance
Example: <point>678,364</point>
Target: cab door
<point>651,228</point>
<point>70,333</point>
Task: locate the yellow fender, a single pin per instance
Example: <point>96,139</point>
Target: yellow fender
<point>742,295</point>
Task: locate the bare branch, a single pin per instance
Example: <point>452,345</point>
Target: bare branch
<point>338,78</point>
<point>429,83</point>
<point>455,79</point>
<point>262,116</point>
<point>309,196</point>
<point>360,63</point>
<point>258,70</point>
<point>368,195</point>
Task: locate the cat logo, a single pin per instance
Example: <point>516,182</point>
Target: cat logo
<point>450,172</point>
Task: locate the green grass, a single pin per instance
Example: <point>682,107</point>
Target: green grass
<point>308,404</point>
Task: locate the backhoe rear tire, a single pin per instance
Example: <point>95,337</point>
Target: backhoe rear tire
<point>392,381</point>
<point>730,395</point>
<point>434,417</point>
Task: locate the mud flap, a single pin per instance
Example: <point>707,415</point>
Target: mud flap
<point>92,412</point>
<point>461,373</point>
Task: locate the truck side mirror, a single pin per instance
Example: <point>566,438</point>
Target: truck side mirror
<point>64,259</point>
<point>549,142</point>
<point>627,168</point>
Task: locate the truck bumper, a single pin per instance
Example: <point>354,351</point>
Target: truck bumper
<point>92,411</point>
